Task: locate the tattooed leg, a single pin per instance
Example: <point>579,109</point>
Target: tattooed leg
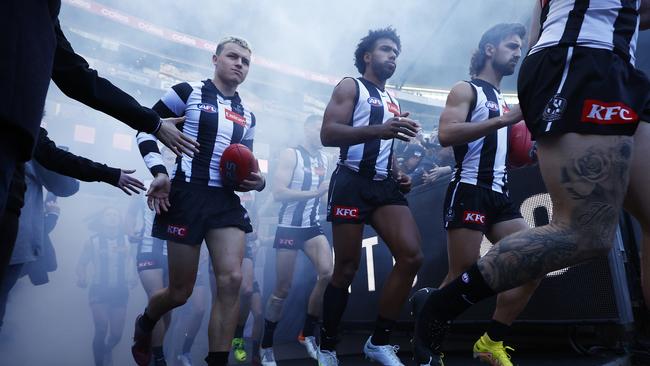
<point>587,177</point>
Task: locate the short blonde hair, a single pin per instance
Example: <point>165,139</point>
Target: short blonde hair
<point>232,39</point>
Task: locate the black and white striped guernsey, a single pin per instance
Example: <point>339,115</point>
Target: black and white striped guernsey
<point>605,24</point>
<point>482,162</point>
<point>214,120</point>
<point>308,174</point>
<point>373,106</point>
<point>110,258</point>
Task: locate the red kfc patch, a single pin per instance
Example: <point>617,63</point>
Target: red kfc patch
<point>616,113</point>
<point>346,212</point>
<point>177,230</point>
<point>473,217</point>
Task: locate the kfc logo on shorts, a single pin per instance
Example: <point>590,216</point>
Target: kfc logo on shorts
<point>472,217</point>
<point>393,108</point>
<point>493,106</point>
<point>288,242</point>
<point>235,117</point>
<point>177,230</point>
<point>346,212</point>
<point>554,109</point>
<point>375,102</point>
<point>616,113</point>
<point>209,108</point>
<point>145,264</point>
<point>465,277</point>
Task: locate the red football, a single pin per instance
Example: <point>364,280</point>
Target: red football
<point>520,146</point>
<point>236,164</point>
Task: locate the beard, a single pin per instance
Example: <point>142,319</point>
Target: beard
<point>504,69</point>
<point>381,70</point>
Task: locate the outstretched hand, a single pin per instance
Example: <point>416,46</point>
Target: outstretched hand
<point>128,183</point>
<point>158,194</point>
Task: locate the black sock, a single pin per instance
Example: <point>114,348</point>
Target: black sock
<point>459,295</point>
<point>383,329</point>
<point>256,347</point>
<point>146,323</point>
<point>336,300</point>
<point>310,324</point>
<point>239,331</point>
<point>187,344</point>
<point>158,353</point>
<point>498,331</point>
<point>217,358</point>
<point>269,329</point>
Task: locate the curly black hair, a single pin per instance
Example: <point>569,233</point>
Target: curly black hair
<point>367,44</point>
<point>493,36</point>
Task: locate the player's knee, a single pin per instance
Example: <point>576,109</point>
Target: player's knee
<point>230,282</point>
<point>410,263</point>
<point>346,273</point>
<point>325,277</point>
<point>100,331</point>
<point>282,290</point>
<point>246,290</point>
<point>179,295</point>
<point>113,340</point>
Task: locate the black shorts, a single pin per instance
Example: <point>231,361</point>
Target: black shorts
<point>197,209</point>
<point>601,93</point>
<point>476,208</point>
<point>295,237</point>
<point>151,259</point>
<point>353,198</point>
<point>111,296</point>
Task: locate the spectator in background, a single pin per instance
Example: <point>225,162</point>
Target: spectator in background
<point>410,162</point>
<point>29,243</point>
<point>54,160</point>
<point>38,270</point>
<point>36,51</point>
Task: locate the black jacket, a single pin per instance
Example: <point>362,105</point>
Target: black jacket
<point>35,50</point>
<point>60,161</point>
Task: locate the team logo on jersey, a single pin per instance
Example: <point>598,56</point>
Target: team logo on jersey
<point>554,109</point>
<point>208,108</point>
<point>375,102</point>
<point>491,105</point>
<point>473,217</point>
<point>616,113</point>
<point>345,212</point>
<point>393,108</point>
<point>235,117</point>
<point>177,230</point>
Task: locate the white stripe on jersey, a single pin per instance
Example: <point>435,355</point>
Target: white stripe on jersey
<point>147,226</point>
<point>478,167</point>
<point>598,28</point>
<point>291,211</point>
<point>205,108</point>
<point>370,97</point>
